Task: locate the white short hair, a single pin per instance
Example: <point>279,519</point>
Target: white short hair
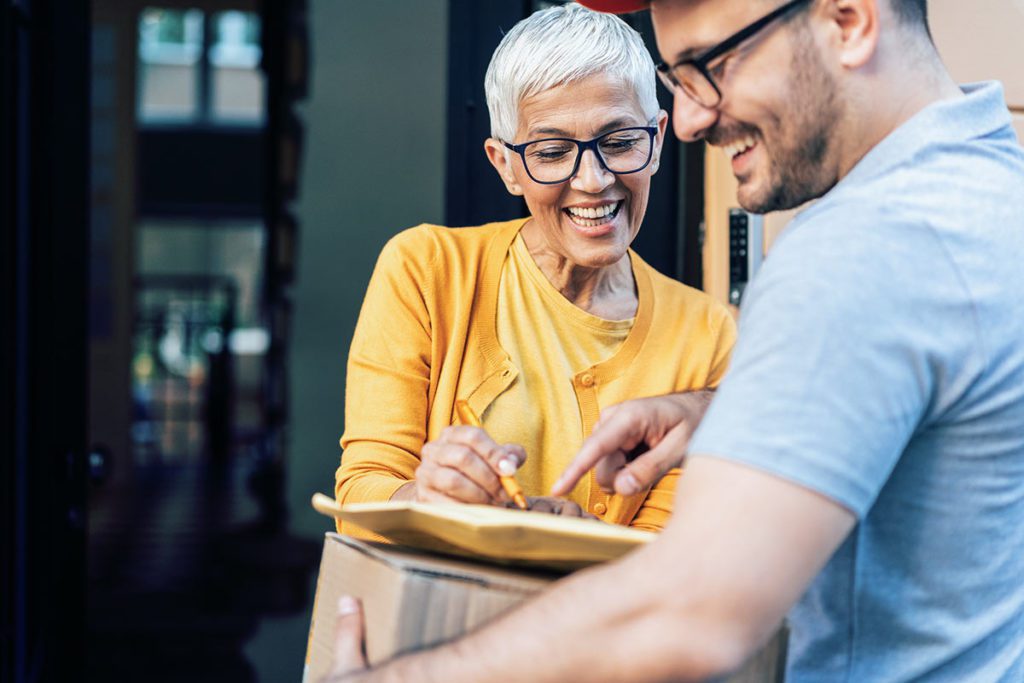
<point>561,45</point>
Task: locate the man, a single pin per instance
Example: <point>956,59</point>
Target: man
<point>863,462</point>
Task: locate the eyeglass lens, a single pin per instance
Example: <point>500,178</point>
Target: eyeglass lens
<point>555,160</point>
<point>693,82</point>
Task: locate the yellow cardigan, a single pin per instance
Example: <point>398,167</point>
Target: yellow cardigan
<point>428,328</point>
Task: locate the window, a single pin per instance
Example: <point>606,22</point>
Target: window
<point>170,47</point>
<point>236,81</point>
<point>196,68</point>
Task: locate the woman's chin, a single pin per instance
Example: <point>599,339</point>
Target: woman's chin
<point>594,253</point>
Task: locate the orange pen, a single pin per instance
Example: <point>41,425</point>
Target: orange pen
<point>509,483</point>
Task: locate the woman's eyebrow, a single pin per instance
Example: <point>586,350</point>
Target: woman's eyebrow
<point>533,132</point>
<point>621,122</point>
<point>616,123</point>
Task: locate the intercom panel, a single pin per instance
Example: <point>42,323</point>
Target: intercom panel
<point>746,251</point>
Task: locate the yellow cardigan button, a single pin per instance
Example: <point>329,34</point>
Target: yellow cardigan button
<point>587,380</point>
<point>600,509</point>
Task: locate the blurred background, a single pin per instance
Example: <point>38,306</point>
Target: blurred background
<point>198,191</point>
<point>194,193</point>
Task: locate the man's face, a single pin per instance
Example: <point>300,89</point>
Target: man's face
<point>779,103</point>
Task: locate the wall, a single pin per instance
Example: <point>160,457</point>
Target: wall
<point>980,40</point>
<point>374,165</point>
<point>374,156</point>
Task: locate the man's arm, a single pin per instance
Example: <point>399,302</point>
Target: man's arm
<point>741,548</point>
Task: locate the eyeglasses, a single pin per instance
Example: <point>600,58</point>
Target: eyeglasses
<point>551,161</point>
<point>695,76</point>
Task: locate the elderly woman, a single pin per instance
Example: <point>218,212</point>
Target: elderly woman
<point>538,323</point>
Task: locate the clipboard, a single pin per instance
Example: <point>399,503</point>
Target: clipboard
<point>493,534</point>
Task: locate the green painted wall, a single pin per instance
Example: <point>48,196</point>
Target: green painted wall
<point>373,164</point>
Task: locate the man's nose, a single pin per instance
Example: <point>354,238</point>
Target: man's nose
<point>691,121</point>
<point>591,176</point>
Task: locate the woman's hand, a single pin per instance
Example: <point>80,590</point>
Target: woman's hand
<point>557,506</point>
<point>462,466</point>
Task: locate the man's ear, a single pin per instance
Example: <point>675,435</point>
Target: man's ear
<point>659,140</point>
<point>501,159</point>
<point>857,26</point>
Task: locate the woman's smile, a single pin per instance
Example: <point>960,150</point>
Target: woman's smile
<point>594,219</point>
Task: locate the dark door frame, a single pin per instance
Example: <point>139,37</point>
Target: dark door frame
<point>44,124</point>
<point>473,192</point>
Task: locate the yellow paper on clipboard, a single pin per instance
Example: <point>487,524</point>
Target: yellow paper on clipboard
<point>491,533</point>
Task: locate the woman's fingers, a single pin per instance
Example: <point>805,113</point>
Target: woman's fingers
<point>541,504</point>
<point>570,509</point>
<point>502,460</point>
<point>556,506</point>
<point>464,465</point>
<point>437,482</point>
<point>517,452</point>
<point>467,462</point>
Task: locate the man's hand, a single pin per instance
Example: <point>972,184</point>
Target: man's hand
<point>349,645</point>
<point>635,443</point>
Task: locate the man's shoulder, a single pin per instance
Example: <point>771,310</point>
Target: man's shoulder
<point>947,200</point>
<point>953,178</point>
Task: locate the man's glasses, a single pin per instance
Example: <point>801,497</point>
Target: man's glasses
<point>695,76</point>
<point>554,160</point>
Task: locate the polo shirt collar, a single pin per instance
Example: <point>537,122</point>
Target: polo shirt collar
<point>980,113</point>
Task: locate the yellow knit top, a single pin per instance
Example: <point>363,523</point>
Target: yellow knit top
<point>549,340</point>
<point>428,334</point>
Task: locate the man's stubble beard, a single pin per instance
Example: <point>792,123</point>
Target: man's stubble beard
<point>797,169</point>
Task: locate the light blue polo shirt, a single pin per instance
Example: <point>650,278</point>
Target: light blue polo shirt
<point>880,362</point>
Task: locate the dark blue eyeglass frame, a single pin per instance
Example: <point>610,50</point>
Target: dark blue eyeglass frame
<point>700,62</point>
<point>582,146</point>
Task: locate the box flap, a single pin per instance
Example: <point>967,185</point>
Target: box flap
<point>417,562</point>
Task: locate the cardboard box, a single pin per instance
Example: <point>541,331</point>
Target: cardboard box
<point>414,600</point>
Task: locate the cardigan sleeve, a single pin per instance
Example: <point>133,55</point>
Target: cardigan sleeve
<point>657,507</point>
<point>388,377</point>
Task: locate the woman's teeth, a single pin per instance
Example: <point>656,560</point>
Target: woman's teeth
<point>739,147</point>
<point>592,216</point>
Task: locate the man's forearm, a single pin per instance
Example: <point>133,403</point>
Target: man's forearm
<point>614,623</point>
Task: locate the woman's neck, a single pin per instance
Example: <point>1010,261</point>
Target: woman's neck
<point>607,292</point>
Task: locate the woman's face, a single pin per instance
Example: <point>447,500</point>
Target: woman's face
<point>582,110</point>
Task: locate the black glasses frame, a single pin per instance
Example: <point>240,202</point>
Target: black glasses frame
<point>582,146</point>
<point>701,61</point>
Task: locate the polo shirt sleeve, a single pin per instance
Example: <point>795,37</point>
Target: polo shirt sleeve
<point>725,340</point>
<point>836,363</point>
